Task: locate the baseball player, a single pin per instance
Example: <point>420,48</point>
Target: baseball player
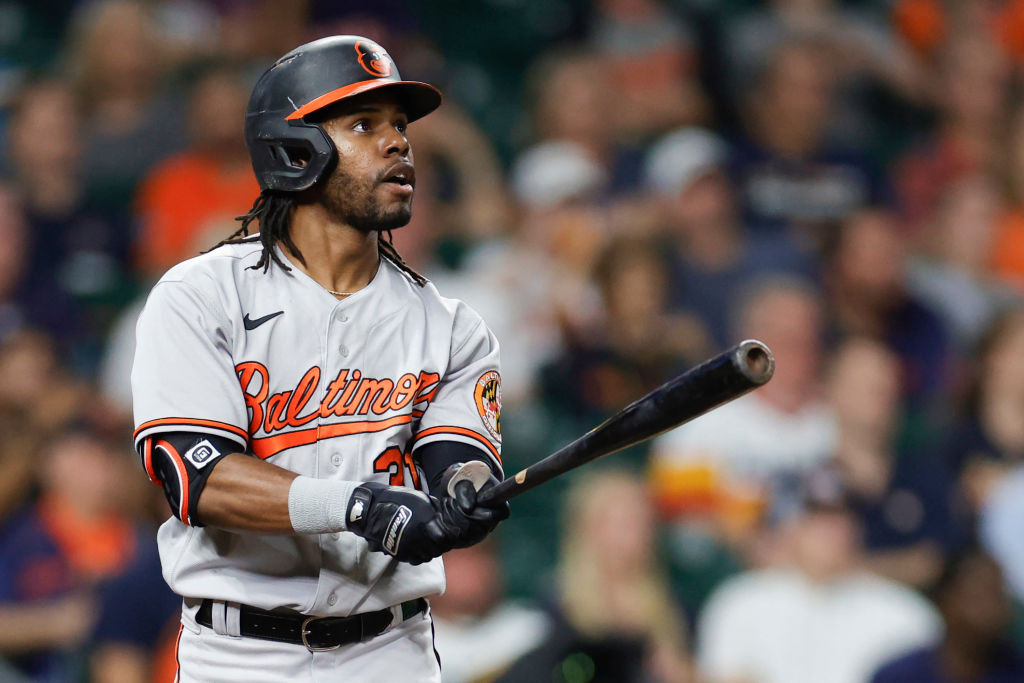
<point>319,417</point>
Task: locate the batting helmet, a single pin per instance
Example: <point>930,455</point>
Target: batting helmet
<point>288,152</point>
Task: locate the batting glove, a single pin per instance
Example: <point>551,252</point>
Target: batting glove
<point>399,521</point>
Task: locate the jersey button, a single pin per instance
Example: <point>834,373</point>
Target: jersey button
<point>344,350</point>
<point>335,537</point>
<point>343,318</point>
<point>336,460</point>
<point>332,599</point>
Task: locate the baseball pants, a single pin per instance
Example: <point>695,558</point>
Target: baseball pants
<point>403,653</point>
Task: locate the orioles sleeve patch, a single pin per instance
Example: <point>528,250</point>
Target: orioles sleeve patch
<point>487,396</point>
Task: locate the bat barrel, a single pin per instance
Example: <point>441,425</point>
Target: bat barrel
<point>727,376</point>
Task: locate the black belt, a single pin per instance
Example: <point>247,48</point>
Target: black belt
<point>317,634</point>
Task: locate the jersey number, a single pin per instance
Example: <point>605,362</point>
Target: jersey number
<point>395,462</point>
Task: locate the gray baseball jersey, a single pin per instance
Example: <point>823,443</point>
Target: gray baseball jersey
<point>335,389</point>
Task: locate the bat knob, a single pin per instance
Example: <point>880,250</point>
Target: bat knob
<point>474,471</point>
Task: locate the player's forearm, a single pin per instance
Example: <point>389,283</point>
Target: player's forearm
<point>247,494</point>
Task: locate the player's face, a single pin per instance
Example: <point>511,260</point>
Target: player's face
<point>372,186</point>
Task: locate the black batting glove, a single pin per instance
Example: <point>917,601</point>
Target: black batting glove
<point>401,522</point>
<point>465,521</point>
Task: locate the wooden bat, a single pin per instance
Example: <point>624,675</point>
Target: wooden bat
<point>718,380</point>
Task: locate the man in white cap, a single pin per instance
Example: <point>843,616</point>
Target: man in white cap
<point>714,257</point>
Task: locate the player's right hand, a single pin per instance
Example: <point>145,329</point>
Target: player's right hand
<point>398,521</point>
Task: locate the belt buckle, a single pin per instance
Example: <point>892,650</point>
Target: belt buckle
<point>303,631</point>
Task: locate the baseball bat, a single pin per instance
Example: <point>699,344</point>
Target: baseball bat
<point>720,379</point>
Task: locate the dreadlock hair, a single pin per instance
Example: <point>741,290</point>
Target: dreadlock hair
<point>272,211</point>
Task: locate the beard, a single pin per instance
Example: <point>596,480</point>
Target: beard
<point>354,201</point>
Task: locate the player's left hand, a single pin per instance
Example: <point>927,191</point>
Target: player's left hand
<point>466,522</point>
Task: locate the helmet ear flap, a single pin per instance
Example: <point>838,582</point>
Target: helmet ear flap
<point>293,158</point>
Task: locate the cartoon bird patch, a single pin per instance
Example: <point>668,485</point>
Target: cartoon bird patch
<point>488,402</point>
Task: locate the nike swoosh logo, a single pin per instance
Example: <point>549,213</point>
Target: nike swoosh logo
<point>253,324</point>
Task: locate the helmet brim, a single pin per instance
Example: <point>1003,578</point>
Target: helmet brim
<point>419,98</point>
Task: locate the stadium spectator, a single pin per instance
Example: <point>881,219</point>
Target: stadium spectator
<point>865,280</point>
<point>37,399</point>
<point>129,124</point>
<point>479,633</point>
<point>973,80</point>
<point>39,638</point>
<point>136,614</point>
<point>188,202</point>
<point>976,612</point>
<point>905,502</point>
<point>114,377</point>
<point>928,25</point>
<point>1007,256</point>
<point>613,615</point>
<point>187,30</point>
<point>987,442</point>
<point>988,445</point>
<point>652,62</point>
<point>260,31</point>
<point>791,176</point>
<point>24,303</point>
<point>54,552</point>
<point>636,344</point>
<point>534,285</point>
<point>76,249</point>
<point>712,473</point>
<point>866,52</point>
<point>954,276</point>
<point>569,97</point>
<point>712,255</point>
<point>814,616</point>
<point>999,516</point>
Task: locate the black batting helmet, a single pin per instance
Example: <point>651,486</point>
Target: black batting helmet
<point>288,152</point>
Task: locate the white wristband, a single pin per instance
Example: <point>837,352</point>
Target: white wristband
<point>318,506</point>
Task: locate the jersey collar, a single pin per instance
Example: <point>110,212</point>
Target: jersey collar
<point>382,288</point>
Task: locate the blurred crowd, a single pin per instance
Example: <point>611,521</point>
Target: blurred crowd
<point>621,188</point>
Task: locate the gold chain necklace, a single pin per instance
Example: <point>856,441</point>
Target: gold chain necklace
<point>339,293</point>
